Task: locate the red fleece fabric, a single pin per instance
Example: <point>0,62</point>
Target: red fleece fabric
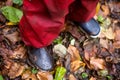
<point>43,19</point>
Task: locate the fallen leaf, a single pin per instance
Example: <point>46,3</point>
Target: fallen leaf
<point>60,72</point>
<point>104,43</point>
<point>72,77</point>
<point>98,8</point>
<point>10,24</point>
<point>117,35</point>
<point>9,3</point>
<point>116,44</point>
<point>73,29</point>
<point>73,51</point>
<point>13,37</point>
<point>90,50</point>
<point>92,78</point>
<point>109,33</point>
<point>26,74</point>
<point>1,77</point>
<point>16,70</point>
<point>75,65</point>
<point>97,63</point>
<point>105,9</point>
<point>11,13</point>
<point>18,2</point>
<point>44,76</point>
<point>18,53</point>
<point>2,18</point>
<point>32,77</point>
<point>102,72</point>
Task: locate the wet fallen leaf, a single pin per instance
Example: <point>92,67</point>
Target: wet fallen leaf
<point>117,35</point>
<point>32,77</point>
<point>97,8</point>
<point>2,18</point>
<point>44,76</point>
<point>70,27</point>
<point>13,36</point>
<point>97,63</point>
<point>92,78</point>
<point>60,72</point>
<point>109,33</point>
<point>75,65</point>
<point>26,74</point>
<point>90,50</point>
<point>12,14</point>
<point>18,2</point>
<point>116,43</point>
<point>19,53</point>
<point>9,3</point>
<point>72,77</point>
<point>105,9</point>
<point>104,43</point>
<point>10,24</point>
<point>73,51</point>
<point>84,75</point>
<point>103,72</point>
<point>16,70</point>
<point>1,77</point>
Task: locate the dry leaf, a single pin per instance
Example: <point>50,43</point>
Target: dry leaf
<point>44,76</point>
<point>105,9</point>
<point>116,44</point>
<point>18,53</point>
<point>73,29</point>
<point>117,35</point>
<point>9,3</point>
<point>75,65</point>
<point>13,37</point>
<point>92,78</point>
<point>74,53</point>
<point>97,63</point>
<point>90,50</point>
<point>32,77</point>
<point>104,43</point>
<point>72,77</point>
<point>16,70</point>
<point>109,33</point>
<point>26,74</point>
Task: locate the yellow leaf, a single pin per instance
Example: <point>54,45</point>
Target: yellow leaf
<point>11,23</point>
<point>73,51</point>
<point>97,8</point>
<point>76,65</point>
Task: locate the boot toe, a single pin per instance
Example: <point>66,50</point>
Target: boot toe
<point>41,59</point>
<point>91,27</point>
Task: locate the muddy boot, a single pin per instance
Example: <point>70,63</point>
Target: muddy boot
<point>41,59</point>
<point>90,27</point>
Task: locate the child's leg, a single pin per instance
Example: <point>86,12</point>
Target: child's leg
<point>42,21</point>
<point>82,10</point>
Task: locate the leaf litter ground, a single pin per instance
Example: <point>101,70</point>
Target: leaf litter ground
<point>77,56</point>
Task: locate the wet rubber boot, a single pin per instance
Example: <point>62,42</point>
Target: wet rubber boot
<point>41,58</point>
<point>90,27</point>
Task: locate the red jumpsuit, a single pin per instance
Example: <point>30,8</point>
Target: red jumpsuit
<point>43,19</point>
